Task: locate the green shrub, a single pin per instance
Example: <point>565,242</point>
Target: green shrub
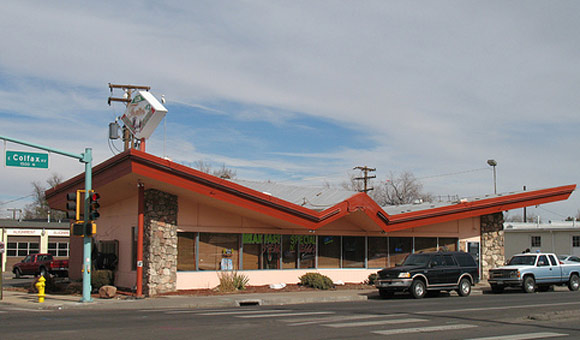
<point>372,278</point>
<point>316,280</point>
<point>101,277</point>
<point>232,281</point>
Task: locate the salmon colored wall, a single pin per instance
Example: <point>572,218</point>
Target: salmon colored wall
<point>115,224</point>
<point>118,219</point>
<point>209,279</point>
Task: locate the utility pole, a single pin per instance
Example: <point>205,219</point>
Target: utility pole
<point>365,169</point>
<point>128,139</point>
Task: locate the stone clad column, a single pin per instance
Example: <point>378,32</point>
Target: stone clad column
<point>160,243</point>
<point>492,242</point>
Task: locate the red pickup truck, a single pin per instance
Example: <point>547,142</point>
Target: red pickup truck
<point>40,264</point>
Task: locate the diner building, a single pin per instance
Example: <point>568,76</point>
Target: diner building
<point>195,226</point>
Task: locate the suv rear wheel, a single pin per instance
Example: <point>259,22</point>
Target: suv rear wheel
<point>418,289</point>
<point>464,287</point>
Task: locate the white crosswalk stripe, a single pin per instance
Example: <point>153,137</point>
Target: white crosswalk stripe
<point>311,321</point>
<point>527,336</point>
<point>373,323</point>
<point>237,312</point>
<point>281,315</point>
<point>423,329</point>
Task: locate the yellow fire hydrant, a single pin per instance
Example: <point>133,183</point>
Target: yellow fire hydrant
<point>40,286</point>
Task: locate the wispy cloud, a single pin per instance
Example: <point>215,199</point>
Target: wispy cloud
<point>305,89</point>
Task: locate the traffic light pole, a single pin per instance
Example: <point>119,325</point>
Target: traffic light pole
<point>87,240</point>
<point>87,158</point>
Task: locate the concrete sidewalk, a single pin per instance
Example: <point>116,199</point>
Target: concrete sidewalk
<point>15,300</point>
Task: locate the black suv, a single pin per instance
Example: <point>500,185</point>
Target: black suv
<point>431,272</point>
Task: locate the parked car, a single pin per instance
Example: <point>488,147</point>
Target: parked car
<point>430,272</point>
<point>534,271</point>
<point>569,258</point>
<point>40,264</point>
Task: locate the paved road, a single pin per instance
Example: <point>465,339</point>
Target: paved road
<point>513,315</point>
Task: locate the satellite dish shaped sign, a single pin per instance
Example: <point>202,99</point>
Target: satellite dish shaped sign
<point>143,115</point>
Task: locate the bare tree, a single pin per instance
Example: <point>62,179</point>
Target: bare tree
<point>352,184</point>
<point>520,218</point>
<point>202,166</point>
<point>222,172</point>
<point>39,207</point>
<point>404,188</point>
<point>398,189</point>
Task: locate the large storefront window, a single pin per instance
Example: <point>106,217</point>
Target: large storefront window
<point>261,251</point>
<point>448,244</point>
<point>425,244</point>
<point>213,251</point>
<point>378,252</point>
<point>353,252</point>
<point>329,252</point>
<point>299,251</point>
<point>186,251</point>
<point>290,245</point>
<point>219,251</point>
<point>399,249</point>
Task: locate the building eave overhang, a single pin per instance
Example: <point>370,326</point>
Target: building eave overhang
<point>173,174</point>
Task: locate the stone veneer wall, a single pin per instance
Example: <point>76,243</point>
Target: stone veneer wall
<point>159,243</point>
<point>492,243</point>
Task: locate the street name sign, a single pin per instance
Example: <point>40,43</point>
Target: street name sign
<point>27,159</point>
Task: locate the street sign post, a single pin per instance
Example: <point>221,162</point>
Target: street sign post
<point>1,271</point>
<point>87,159</point>
<point>24,159</point>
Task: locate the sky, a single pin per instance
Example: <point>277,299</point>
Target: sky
<point>301,92</point>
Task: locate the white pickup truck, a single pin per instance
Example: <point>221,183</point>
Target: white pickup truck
<point>531,271</point>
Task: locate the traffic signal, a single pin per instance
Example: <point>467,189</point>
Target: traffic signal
<point>94,206</point>
<point>90,228</point>
<point>73,205</point>
<point>78,228</point>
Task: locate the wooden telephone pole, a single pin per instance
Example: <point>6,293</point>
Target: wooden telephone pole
<point>129,141</point>
<point>365,169</point>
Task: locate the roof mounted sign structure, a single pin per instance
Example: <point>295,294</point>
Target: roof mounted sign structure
<point>143,114</point>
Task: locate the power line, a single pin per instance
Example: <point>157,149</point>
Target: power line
<point>553,212</point>
<point>16,199</point>
<point>453,173</point>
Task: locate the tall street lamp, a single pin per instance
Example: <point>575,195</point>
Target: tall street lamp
<point>493,163</point>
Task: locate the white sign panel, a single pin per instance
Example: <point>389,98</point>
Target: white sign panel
<point>38,232</point>
<point>24,232</point>
<point>143,115</point>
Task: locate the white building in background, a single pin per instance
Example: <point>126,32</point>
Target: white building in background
<point>562,238</point>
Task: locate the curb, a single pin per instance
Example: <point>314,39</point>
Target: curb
<point>24,301</point>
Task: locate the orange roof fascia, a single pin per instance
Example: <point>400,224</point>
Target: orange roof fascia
<point>165,171</point>
<point>477,208</point>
